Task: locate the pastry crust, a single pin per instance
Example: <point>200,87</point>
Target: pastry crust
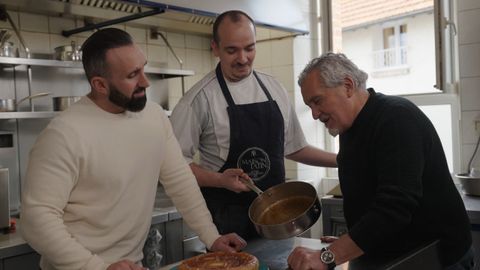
<point>221,260</point>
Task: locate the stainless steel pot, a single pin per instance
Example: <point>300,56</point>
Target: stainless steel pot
<point>10,104</point>
<point>285,210</point>
<point>62,103</point>
<point>7,50</point>
<point>470,184</point>
<point>68,53</point>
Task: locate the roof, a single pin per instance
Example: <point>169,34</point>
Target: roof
<point>360,12</point>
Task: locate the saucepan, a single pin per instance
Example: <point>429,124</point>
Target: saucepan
<point>284,210</point>
<point>68,53</point>
<point>10,104</point>
<point>62,103</point>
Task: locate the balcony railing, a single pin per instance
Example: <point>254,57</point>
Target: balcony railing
<point>390,58</point>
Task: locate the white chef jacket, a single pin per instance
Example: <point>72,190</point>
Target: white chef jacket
<point>200,119</point>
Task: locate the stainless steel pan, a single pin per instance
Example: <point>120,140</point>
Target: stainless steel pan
<point>285,210</point>
<point>62,103</point>
<point>11,105</point>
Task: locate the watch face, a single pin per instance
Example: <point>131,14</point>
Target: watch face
<point>327,257</point>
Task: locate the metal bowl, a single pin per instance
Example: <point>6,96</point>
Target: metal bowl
<point>62,103</point>
<point>470,185</point>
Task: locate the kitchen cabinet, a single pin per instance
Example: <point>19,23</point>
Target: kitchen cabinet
<point>334,223</point>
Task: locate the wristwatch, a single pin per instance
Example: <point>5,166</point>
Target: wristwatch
<point>328,258</point>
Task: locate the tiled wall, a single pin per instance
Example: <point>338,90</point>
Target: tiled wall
<point>283,58</point>
<point>469,70</point>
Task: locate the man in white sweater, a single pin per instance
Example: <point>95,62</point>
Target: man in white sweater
<point>92,174</point>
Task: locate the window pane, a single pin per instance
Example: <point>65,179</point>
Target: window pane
<point>392,41</point>
<point>441,117</point>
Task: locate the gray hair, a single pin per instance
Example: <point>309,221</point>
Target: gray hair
<point>333,68</point>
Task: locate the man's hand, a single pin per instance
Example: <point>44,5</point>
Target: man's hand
<point>304,258</point>
<point>230,180</point>
<point>125,265</point>
<point>229,242</point>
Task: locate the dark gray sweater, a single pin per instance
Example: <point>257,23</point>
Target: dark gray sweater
<point>397,188</point>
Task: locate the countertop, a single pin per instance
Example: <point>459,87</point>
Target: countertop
<point>472,204</point>
<point>274,254</point>
<point>12,244</point>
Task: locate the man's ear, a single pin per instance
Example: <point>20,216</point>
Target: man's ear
<point>100,85</point>
<point>349,86</point>
<point>215,48</point>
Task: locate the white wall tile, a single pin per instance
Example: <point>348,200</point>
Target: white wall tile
<point>284,74</point>
<point>37,42</point>
<point>468,4</point>
<point>33,22</point>
<point>262,33</point>
<point>157,53</point>
<point>58,24</point>
<point>206,43</point>
<point>468,25</point>
<point>469,134</point>
<point>139,35</point>
<point>263,56</point>
<point>470,93</point>
<point>193,42</point>
<point>282,52</point>
<point>176,40</point>
<point>193,59</point>
<point>469,59</point>
<point>207,61</point>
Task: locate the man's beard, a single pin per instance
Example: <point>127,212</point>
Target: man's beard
<point>133,104</point>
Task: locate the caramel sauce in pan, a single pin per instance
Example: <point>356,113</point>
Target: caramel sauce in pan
<point>285,210</point>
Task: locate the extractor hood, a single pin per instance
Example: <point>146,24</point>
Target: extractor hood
<point>169,15</point>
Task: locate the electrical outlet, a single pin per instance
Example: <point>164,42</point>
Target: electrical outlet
<point>153,33</point>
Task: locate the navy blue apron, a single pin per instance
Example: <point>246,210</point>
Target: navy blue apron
<point>256,146</point>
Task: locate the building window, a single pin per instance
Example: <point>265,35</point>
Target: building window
<point>394,51</point>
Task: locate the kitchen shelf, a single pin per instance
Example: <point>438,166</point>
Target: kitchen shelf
<point>164,73</point>
<point>26,115</point>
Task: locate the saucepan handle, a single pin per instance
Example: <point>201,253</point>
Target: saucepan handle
<point>252,186</point>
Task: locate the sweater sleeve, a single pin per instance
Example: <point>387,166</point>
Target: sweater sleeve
<point>51,175</point>
<point>182,187</point>
<point>399,160</point>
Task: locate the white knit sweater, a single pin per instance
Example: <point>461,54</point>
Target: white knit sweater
<point>91,184</point>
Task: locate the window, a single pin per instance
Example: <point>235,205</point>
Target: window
<point>406,47</point>
<point>394,51</point>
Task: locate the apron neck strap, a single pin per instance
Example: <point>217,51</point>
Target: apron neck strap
<point>226,92</point>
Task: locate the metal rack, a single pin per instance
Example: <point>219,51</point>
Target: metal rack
<point>7,62</point>
<point>164,73</point>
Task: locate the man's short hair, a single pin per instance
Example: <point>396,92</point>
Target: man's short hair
<point>96,46</point>
<point>234,16</point>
